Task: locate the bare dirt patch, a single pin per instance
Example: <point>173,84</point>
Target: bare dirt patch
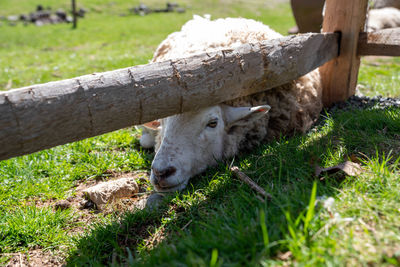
<point>86,214</point>
<point>35,258</point>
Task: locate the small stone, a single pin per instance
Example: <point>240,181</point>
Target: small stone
<point>88,204</point>
<point>154,201</point>
<point>141,204</point>
<point>109,191</point>
<point>62,205</point>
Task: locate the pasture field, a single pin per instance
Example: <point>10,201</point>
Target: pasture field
<point>335,220</point>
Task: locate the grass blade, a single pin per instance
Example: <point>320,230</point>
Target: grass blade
<point>214,258</point>
<point>311,208</point>
<point>264,230</point>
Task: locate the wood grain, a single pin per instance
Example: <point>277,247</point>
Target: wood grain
<point>380,43</point>
<point>339,76</point>
<point>46,115</point>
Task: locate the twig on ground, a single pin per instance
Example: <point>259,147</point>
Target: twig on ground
<point>186,225</point>
<point>260,198</point>
<point>250,182</point>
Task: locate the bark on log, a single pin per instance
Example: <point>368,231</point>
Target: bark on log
<point>46,115</point>
<point>339,76</point>
<point>380,43</point>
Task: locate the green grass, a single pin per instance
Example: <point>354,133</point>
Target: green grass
<point>31,226</point>
<point>225,216</point>
<point>380,76</point>
<point>50,173</point>
<point>104,40</point>
<point>217,220</point>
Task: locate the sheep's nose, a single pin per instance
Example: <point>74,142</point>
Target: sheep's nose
<point>163,174</point>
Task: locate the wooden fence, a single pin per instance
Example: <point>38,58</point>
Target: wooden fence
<point>46,115</point>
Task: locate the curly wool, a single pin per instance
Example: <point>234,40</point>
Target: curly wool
<point>295,106</point>
<point>384,18</point>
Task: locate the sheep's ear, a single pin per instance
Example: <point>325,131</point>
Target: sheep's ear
<point>153,125</point>
<point>149,133</point>
<point>242,115</point>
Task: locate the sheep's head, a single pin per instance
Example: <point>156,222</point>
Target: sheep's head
<point>192,141</point>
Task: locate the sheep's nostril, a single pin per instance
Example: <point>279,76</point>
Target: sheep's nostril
<point>170,171</point>
<point>165,173</point>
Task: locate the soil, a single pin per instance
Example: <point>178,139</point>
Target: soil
<point>35,258</point>
<point>360,101</point>
<point>86,215</point>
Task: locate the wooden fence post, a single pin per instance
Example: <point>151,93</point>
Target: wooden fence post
<point>339,76</point>
<point>74,15</point>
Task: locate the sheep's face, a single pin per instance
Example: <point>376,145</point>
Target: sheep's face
<point>192,141</point>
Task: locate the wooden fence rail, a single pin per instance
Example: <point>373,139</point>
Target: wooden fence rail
<point>46,115</point>
<point>380,43</point>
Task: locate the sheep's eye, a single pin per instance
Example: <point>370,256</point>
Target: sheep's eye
<point>212,123</point>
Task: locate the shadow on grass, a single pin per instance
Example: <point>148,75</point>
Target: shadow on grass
<point>220,216</point>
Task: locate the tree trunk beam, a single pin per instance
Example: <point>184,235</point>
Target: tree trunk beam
<point>380,43</point>
<point>339,76</point>
<point>46,115</point>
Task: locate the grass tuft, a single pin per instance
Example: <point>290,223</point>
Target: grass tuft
<point>34,227</point>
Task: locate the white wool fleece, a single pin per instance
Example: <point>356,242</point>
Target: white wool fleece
<point>201,35</point>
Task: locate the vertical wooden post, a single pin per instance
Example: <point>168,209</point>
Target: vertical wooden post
<point>74,15</point>
<point>339,76</point>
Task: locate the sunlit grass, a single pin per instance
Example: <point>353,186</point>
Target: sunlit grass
<point>30,227</point>
<point>380,76</point>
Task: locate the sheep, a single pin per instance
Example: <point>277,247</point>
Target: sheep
<point>388,17</point>
<point>386,3</point>
<point>190,142</point>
